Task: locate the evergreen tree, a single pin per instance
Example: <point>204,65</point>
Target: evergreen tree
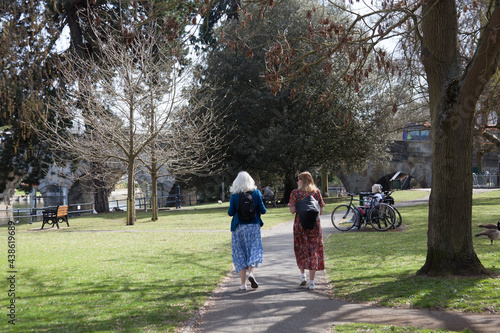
<point>301,127</point>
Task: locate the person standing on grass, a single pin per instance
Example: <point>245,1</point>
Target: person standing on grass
<point>307,243</point>
<point>246,239</point>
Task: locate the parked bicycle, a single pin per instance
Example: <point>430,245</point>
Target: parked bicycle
<point>381,216</point>
<point>390,200</point>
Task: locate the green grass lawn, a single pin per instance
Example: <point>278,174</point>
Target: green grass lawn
<point>101,275</point>
<point>369,328</point>
<point>379,267</point>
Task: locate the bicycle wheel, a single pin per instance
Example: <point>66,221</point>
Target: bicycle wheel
<point>344,217</point>
<point>382,217</point>
<point>399,219</point>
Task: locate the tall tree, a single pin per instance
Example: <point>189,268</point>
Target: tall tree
<point>136,73</point>
<point>31,48</point>
<point>304,126</point>
<point>454,92</point>
<point>186,147</point>
<point>454,89</point>
<point>34,39</point>
<point>29,73</point>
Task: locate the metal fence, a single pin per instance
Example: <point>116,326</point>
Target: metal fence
<point>163,202</point>
<point>35,214</point>
<point>485,180</point>
<point>30,215</point>
<point>336,191</point>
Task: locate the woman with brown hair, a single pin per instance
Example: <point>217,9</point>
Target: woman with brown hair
<point>307,243</point>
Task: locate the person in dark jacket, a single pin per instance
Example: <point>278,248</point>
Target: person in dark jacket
<point>246,239</point>
<point>268,195</point>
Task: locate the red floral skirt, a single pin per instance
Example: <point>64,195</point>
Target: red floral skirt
<point>308,246</point>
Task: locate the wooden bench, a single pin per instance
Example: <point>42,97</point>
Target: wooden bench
<point>269,200</point>
<point>55,216</point>
<point>279,198</point>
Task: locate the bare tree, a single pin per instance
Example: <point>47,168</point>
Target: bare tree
<point>135,76</point>
<point>186,147</point>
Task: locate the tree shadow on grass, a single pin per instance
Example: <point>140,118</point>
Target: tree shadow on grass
<point>141,301</point>
<point>419,292</point>
<point>484,202</point>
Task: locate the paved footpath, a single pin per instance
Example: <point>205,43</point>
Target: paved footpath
<point>280,305</point>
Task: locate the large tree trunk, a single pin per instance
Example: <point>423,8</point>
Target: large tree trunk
<point>100,189</point>
<point>453,96</point>
<point>101,200</point>
<point>101,192</point>
<point>9,185</point>
<point>450,247</point>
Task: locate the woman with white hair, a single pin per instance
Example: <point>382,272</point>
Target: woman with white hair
<point>246,240</point>
<point>377,195</point>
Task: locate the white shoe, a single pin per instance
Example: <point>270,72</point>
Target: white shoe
<point>354,228</point>
<point>311,286</point>
<point>303,281</point>
<point>243,287</point>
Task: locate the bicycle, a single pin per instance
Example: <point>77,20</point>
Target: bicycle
<point>381,217</point>
<point>390,200</point>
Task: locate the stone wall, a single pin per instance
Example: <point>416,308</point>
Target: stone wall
<point>413,158</point>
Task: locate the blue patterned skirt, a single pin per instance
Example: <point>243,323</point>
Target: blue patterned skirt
<point>246,245</point>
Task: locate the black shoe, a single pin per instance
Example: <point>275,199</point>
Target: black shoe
<point>253,282</point>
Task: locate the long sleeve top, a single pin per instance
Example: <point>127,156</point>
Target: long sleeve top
<point>259,209</point>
